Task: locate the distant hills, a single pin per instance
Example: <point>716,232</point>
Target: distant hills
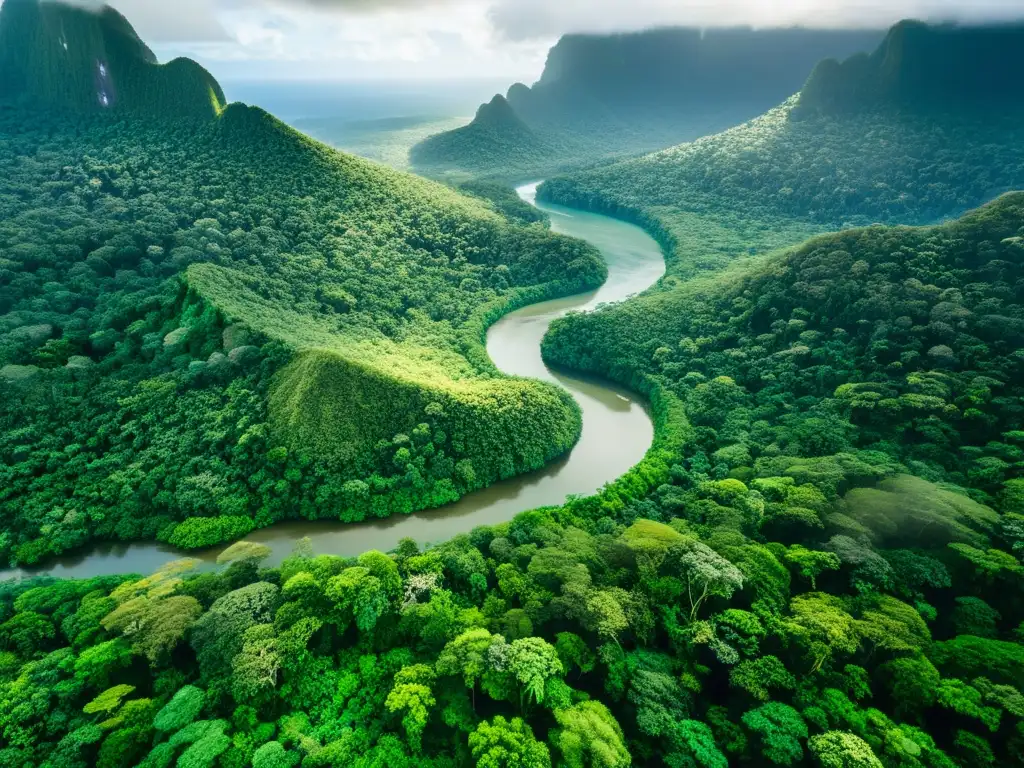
<point>921,66</point>
<point>493,139</point>
<point>67,57</point>
<point>878,138</point>
<point>613,95</point>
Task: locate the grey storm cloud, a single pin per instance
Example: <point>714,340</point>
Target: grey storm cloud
<point>180,21</point>
<point>530,19</point>
<point>524,20</point>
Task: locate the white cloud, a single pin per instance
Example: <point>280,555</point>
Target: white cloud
<point>177,21</point>
<point>524,19</point>
<point>460,38</point>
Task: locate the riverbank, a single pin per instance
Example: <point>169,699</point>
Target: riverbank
<point>618,431</point>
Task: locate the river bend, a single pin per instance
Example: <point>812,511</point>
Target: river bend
<point>617,430</point>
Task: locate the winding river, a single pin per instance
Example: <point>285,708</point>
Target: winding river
<point>617,431</point>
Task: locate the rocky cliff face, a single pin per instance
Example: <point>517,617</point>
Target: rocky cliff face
<point>920,66</point>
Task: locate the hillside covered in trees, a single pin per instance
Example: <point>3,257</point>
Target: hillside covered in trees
<point>801,168</point>
<point>607,96</point>
<point>222,322</point>
<point>67,58</point>
<point>788,595</point>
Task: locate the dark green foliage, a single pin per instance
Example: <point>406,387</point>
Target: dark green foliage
<point>496,134</point>
<point>705,653</point>
<point>505,200</point>
<point>785,361</point>
<point>816,564</point>
<point>849,438</point>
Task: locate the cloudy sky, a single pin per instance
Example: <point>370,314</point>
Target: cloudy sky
<point>358,39</point>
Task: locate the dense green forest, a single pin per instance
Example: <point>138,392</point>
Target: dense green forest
<point>808,166</point>
<point>602,97</point>
<point>214,323</point>
<point>90,60</point>
<point>818,564</point>
<point>222,322</point>
<point>827,571</point>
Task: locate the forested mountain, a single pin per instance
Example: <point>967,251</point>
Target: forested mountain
<point>218,320</point>
<point>798,169</point>
<point>924,68</point>
<point>788,595</point>
<point>71,59</point>
<point>496,136</point>
<point>604,96</point>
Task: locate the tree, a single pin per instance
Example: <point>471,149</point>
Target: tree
<point>574,652</point>
<point>912,682</point>
<point>694,747</point>
<point>108,701</point>
<point>273,755</point>
<point>412,695</point>
<point>822,626</point>
<point>182,709</point>
<point>707,574</point>
<point>973,616</point>
<point>533,661</point>
<point>968,657</point>
<point>27,633</point>
<point>839,749</point>
<point>811,563</point>
<point>966,700</point>
<point>466,655</point>
<point>359,596</point>
<point>758,676</point>
<point>507,744</point>
<point>588,736</point>
<point>95,665</point>
<point>217,636</point>
<point>156,625</point>
<point>605,614</point>
<point>256,667</point>
<point>656,694</point>
<point>779,729</point>
<point>385,570</point>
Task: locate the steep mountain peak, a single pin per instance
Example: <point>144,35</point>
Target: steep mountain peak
<point>497,112</point>
<point>82,60</point>
<point>922,66</point>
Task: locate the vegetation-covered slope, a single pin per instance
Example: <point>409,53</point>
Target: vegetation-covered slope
<point>818,564</point>
<point>68,58</point>
<point>798,168</point>
<point>496,134</point>
<point>222,320</point>
<point>607,96</point>
<point>904,340</point>
<point>922,67</point>
<point>788,596</point>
